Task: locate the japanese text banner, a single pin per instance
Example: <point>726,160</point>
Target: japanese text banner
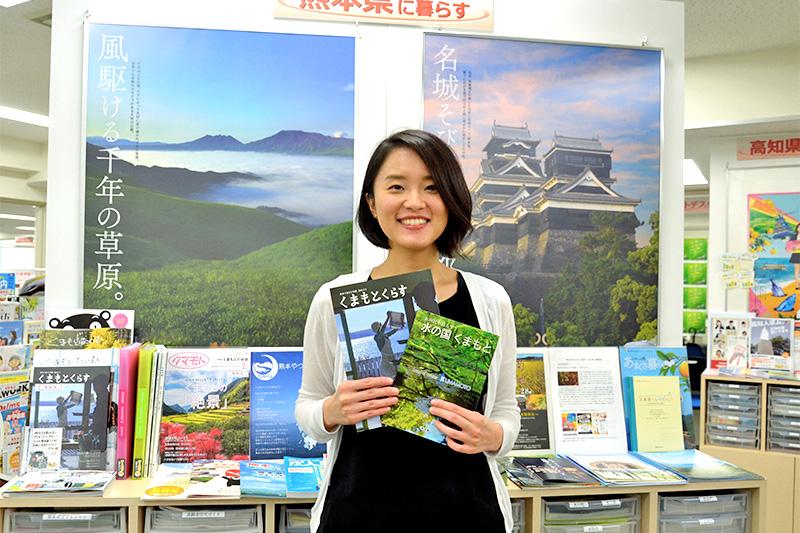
<point>472,14</point>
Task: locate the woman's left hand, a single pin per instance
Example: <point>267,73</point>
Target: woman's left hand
<point>477,434</point>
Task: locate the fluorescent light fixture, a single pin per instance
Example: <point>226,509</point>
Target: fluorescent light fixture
<point>17,217</point>
<point>11,3</point>
<point>692,174</point>
<point>24,116</point>
<point>26,228</point>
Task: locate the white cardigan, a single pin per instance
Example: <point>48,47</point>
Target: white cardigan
<point>323,370</point>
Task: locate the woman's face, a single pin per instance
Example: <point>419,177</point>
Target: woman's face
<point>407,205</point>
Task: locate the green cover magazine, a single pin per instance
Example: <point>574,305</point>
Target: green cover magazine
<point>443,359</point>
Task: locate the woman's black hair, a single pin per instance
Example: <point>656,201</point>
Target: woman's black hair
<point>446,172</point>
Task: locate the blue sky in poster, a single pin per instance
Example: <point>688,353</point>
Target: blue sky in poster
<point>248,85</point>
<point>572,90</point>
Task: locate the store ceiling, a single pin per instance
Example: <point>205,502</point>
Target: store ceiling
<point>713,27</point>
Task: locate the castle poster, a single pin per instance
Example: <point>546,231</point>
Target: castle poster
<point>560,145</point>
<point>219,170</point>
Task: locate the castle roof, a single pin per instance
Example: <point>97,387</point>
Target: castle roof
<point>578,143</point>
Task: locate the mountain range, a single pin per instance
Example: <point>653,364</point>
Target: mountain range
<point>284,142</point>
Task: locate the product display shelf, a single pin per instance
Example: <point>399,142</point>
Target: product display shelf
<point>126,494</point>
<point>780,469</point>
<point>649,500</point>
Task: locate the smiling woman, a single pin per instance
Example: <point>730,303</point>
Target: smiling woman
<point>415,203</point>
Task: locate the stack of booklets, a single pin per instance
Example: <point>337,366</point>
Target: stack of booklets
<point>550,471</point>
<point>293,477</point>
<point>60,483</point>
<point>696,466</point>
<point>200,479</point>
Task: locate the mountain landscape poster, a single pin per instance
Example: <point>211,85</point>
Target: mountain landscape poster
<point>561,149</point>
<point>219,179</point>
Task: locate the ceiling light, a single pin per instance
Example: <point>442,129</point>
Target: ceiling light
<point>17,217</point>
<point>24,116</point>
<point>692,174</point>
<point>11,3</point>
<point>26,228</point>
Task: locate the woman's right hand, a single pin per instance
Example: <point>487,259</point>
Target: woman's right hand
<point>358,399</point>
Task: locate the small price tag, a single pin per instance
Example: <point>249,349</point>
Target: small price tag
<point>610,503</point>
<point>67,516</point>
<point>592,529</point>
<point>706,522</point>
<point>203,514</point>
<point>707,499</point>
<point>578,505</point>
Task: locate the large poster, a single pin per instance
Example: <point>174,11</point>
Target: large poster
<point>219,172</point>
<point>560,144</point>
<point>774,220</point>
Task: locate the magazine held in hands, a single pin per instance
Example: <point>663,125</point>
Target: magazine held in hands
<point>374,319</point>
<point>443,359</point>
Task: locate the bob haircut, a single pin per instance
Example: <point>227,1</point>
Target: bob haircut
<point>446,172</point>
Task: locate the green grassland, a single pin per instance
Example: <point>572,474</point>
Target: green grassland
<point>199,273</point>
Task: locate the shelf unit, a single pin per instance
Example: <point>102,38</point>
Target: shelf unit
<point>781,470</point>
<point>126,494</point>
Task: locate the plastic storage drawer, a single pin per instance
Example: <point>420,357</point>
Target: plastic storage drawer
<point>736,398</point>
<point>96,521</point>
<point>205,519</point>
<point>732,441</point>
<point>784,410</point>
<point>700,504</point>
<point>792,435</point>
<point>733,408</point>
<point>727,429</point>
<point>780,445</point>
<point>733,388</point>
<point>789,401</point>
<point>581,511</point>
<point>295,520</point>
<point>789,394</point>
<point>723,523</point>
<point>784,422</point>
<point>734,419</point>
<point>629,526</point>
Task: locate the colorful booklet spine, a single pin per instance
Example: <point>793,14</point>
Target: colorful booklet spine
<point>154,423</point>
<point>146,354</point>
<point>128,371</point>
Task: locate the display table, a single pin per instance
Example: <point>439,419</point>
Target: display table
<point>125,494</point>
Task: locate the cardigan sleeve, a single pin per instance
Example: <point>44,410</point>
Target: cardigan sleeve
<point>319,368</point>
<point>505,410</point>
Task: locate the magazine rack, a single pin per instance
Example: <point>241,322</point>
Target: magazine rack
<point>780,468</point>
<point>126,494</point>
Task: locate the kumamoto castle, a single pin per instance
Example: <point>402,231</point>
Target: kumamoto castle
<point>530,214</point>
